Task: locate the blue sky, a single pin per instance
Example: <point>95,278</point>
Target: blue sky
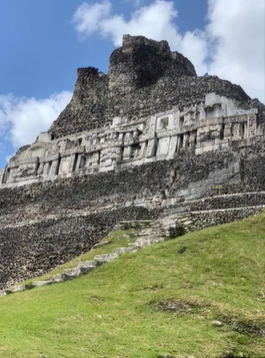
<point>43,42</point>
<point>40,51</point>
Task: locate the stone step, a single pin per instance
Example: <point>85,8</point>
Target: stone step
<point>87,266</point>
<point>124,250</point>
<point>100,259</point>
<point>216,202</point>
<point>146,242</point>
<point>136,224</point>
<point>199,219</point>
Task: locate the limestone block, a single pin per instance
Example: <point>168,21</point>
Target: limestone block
<point>186,139</point>
<point>44,137</point>
<point>176,118</point>
<point>46,169</point>
<point>54,168</point>
<point>252,125</point>
<point>142,150</point>
<point>20,288</point>
<point>55,278</point>
<point>65,165</point>
<point>40,169</point>
<point>2,293</point>
<point>124,250</point>
<point>72,163</point>
<point>151,147</point>
<point>128,136</point>
<point>26,169</point>
<point>94,160</point>
<point>105,258</point>
<point>69,274</point>
<point>235,131</point>
<point>37,152</point>
<point>87,266</point>
<point>150,126</point>
<point>163,146</point>
<point>40,283</point>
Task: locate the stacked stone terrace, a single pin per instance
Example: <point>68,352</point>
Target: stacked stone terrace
<point>149,140</point>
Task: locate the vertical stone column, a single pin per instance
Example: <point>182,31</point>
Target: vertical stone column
<point>142,150</point>
<point>54,168</point>
<point>72,162</point>
<point>151,148</point>
<point>172,147</point>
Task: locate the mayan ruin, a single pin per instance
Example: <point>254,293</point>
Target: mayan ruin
<point>149,139</point>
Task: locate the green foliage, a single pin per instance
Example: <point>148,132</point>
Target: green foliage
<point>115,311</point>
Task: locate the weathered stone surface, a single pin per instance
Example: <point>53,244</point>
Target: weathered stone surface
<point>20,288</point>
<point>55,278</point>
<point>148,139</point>
<point>40,283</point>
<point>2,293</point>
<point>148,77</point>
<point>105,258</point>
<point>70,274</point>
<point>86,266</point>
<point>30,249</point>
<point>124,250</point>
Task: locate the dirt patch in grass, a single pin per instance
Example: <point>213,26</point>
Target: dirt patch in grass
<point>181,307</point>
<point>233,354</point>
<point>250,328</point>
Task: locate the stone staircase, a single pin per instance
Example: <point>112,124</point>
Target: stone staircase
<point>146,233</point>
<point>191,215</point>
<point>212,210</point>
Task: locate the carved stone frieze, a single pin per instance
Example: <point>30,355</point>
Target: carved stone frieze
<point>196,128</point>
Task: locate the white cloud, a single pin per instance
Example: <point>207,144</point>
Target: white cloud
<point>154,21</point>
<point>25,118</point>
<point>231,46</point>
<point>87,17</point>
<point>239,50</point>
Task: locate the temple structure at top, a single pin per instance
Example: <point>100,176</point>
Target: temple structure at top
<point>150,106</point>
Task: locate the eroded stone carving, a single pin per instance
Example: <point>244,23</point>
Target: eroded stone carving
<point>207,126</point>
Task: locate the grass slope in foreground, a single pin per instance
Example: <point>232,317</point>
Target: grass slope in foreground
<point>151,303</point>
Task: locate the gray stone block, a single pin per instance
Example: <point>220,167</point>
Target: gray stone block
<point>40,283</point>
<point>19,288</point>
<point>69,274</point>
<point>2,293</point>
<point>105,257</point>
<point>55,278</point>
<point>86,266</point>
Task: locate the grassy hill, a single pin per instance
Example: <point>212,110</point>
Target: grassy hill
<point>152,303</point>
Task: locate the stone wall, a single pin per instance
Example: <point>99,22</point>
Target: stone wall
<point>89,105</point>
<point>30,250</point>
<point>215,124</point>
<point>147,185</point>
<point>199,220</point>
<point>45,224</point>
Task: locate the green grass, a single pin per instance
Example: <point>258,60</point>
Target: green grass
<point>113,311</point>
